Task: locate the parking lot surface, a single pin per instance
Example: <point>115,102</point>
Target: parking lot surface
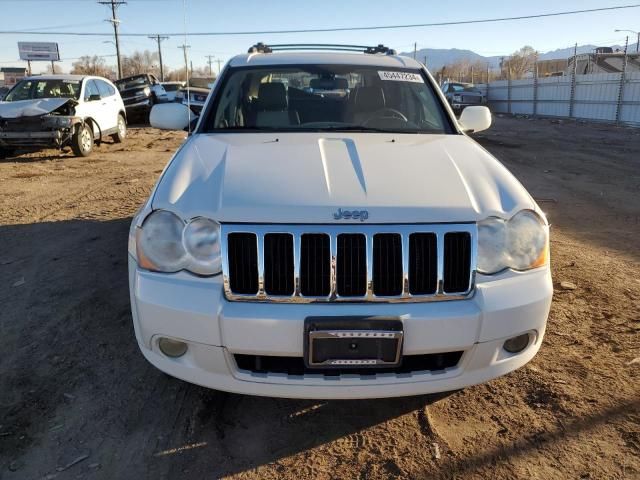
<point>78,400</point>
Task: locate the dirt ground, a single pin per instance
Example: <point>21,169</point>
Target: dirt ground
<point>78,400</point>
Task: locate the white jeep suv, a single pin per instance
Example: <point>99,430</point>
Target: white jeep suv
<point>328,230</point>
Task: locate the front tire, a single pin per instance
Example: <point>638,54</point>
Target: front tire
<point>120,135</point>
<point>82,140</point>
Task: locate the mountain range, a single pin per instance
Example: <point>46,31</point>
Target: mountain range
<point>438,57</point>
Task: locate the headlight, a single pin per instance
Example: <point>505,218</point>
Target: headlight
<point>521,243</point>
<point>57,121</point>
<point>165,243</point>
<point>147,91</point>
<point>202,242</point>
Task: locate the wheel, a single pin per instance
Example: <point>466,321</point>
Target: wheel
<point>122,130</point>
<point>82,141</point>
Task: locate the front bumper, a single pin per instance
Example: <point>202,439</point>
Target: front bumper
<point>52,138</point>
<point>194,310</point>
<point>137,106</point>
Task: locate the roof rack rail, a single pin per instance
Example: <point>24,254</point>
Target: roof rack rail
<point>263,48</point>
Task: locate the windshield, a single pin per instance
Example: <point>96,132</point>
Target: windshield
<point>201,82</point>
<point>463,87</point>
<point>132,82</point>
<point>171,87</point>
<point>32,89</point>
<point>327,98</point>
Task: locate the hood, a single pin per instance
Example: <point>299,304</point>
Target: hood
<point>307,177</point>
<point>32,108</point>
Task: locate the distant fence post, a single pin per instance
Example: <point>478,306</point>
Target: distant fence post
<point>574,70</point>
<point>535,89</point>
<point>622,82</point>
<point>509,86</point>
<point>487,85</point>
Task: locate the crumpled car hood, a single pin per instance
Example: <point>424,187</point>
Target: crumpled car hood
<point>31,108</point>
<point>307,177</point>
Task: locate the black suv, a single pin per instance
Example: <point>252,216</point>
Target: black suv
<point>140,93</point>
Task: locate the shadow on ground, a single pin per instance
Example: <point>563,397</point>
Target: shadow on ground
<point>73,372</point>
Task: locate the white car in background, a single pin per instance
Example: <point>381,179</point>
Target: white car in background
<point>308,244</point>
<point>172,89</point>
<point>55,111</point>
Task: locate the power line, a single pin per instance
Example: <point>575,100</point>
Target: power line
<point>341,29</point>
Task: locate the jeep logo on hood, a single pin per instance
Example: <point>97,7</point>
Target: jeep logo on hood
<point>361,215</point>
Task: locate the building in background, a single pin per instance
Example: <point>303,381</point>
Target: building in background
<point>9,76</point>
<point>552,68</point>
<point>603,60</point>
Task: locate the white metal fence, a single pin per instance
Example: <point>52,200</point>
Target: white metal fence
<point>609,97</point>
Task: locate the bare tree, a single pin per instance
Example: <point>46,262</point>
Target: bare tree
<point>519,63</point>
<point>54,69</point>
<point>465,71</point>
<point>92,65</point>
<point>141,62</point>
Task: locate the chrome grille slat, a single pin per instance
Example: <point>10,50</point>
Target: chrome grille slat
<point>365,270</point>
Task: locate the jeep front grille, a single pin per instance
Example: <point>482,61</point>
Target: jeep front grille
<point>348,263</point>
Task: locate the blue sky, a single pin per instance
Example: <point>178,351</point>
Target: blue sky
<point>204,15</point>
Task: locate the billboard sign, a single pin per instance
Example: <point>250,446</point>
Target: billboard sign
<point>34,51</point>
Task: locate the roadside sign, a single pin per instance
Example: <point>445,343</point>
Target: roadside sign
<point>44,51</point>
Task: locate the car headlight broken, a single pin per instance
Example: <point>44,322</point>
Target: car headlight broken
<point>164,243</point>
<point>520,243</point>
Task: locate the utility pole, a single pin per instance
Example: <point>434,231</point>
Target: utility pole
<point>622,81</point>
<point>186,62</point>
<point>114,20</point>
<point>219,61</point>
<point>574,71</point>
<point>209,62</point>
<point>415,49</point>
<point>159,38</point>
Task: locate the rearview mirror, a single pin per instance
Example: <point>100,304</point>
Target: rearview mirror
<point>171,116</point>
<point>475,119</point>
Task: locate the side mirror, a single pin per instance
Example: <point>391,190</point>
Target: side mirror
<point>475,119</point>
<point>94,98</point>
<point>171,116</point>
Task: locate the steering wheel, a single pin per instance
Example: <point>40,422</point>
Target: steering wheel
<point>381,114</point>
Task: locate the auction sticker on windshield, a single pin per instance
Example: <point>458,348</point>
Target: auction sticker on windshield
<point>401,77</point>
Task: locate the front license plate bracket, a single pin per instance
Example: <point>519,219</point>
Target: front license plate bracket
<point>353,342</point>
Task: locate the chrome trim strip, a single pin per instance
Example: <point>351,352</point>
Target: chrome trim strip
<point>333,248</point>
<point>333,231</point>
<point>369,245</point>
<point>440,258</point>
<point>297,245</point>
<point>260,246</point>
<point>404,238</point>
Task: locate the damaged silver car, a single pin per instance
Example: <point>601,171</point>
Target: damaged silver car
<point>58,111</point>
